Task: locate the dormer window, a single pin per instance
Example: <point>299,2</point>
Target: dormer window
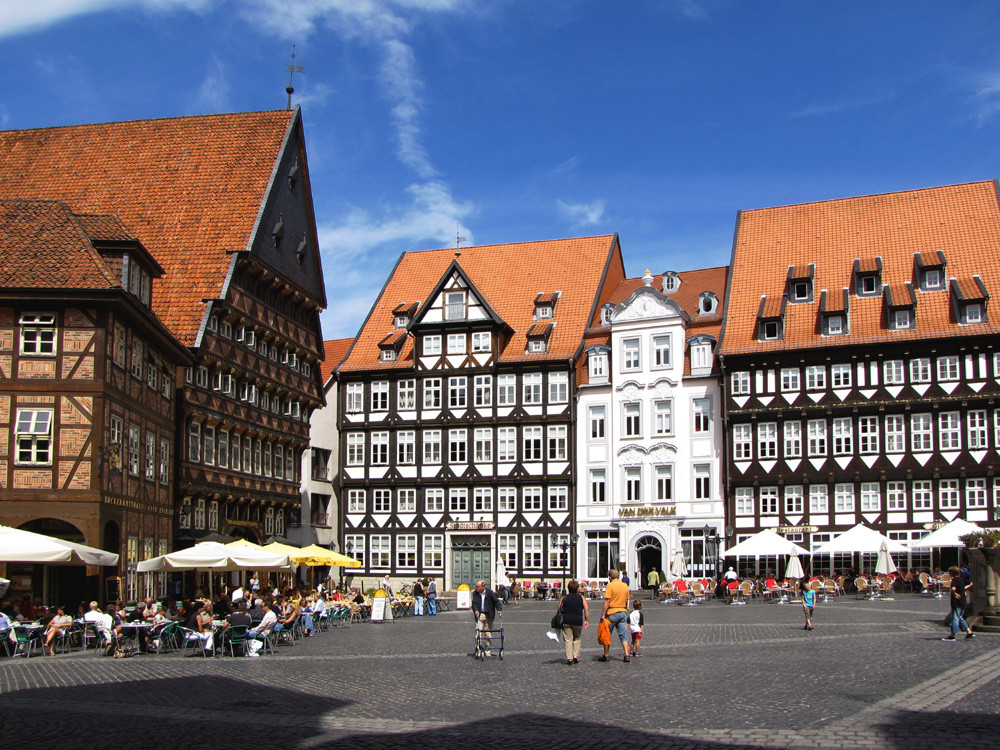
<point>701,354</point>
<point>538,337</point>
<point>545,305</point>
<point>929,268</point>
<point>597,364</point>
<point>900,303</point>
<point>389,346</point>
<point>800,283</point>
<point>606,310</point>
<point>969,296</point>
<point>833,311</point>
<point>708,303</point>
<point>671,282</point>
<point>868,276</point>
<point>771,318</point>
<point>403,314</point>
<point>136,279</point>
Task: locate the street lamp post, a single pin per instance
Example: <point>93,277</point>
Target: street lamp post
<point>559,543</point>
<point>712,540</point>
<point>350,548</point>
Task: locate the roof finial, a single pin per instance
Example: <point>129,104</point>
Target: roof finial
<point>292,70</point>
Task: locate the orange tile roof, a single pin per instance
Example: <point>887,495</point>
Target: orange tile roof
<point>969,289</point>
<point>693,283</point>
<point>189,187</point>
<point>962,220</point>
<point>333,351</point>
<point>508,277</point>
<point>44,246</point>
<point>868,265</point>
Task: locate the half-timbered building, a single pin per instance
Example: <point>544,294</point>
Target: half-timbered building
<point>223,204</point>
<point>87,395</point>
<point>649,437</point>
<point>862,365</point>
<point>457,410</point>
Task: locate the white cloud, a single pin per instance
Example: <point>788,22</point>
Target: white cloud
<point>583,214</point>
<point>986,97</point>
<point>821,109</point>
<point>213,94</point>
<point>402,86</point>
<point>21,17</point>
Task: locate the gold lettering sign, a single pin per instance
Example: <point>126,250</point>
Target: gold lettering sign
<point>648,511</point>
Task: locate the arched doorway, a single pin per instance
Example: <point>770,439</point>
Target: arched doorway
<point>53,584</point>
<point>649,552</point>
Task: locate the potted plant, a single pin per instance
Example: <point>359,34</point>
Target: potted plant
<point>991,538</point>
<point>972,539</point>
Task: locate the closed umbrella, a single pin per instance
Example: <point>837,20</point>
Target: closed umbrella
<point>793,570</point>
<point>678,568</point>
<point>501,579</point>
<point>19,546</point>
<point>884,564</point>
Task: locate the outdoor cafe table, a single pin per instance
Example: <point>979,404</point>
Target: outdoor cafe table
<point>135,628</point>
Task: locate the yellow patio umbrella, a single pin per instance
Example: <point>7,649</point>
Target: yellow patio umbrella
<point>244,543</point>
<point>316,555</point>
<point>283,549</point>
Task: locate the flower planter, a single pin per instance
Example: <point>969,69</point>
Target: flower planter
<point>984,567</point>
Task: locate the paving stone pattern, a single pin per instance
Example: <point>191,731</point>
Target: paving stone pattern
<point>872,674</point>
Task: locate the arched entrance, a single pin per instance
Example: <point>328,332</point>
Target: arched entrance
<point>53,584</point>
<point>649,552</point>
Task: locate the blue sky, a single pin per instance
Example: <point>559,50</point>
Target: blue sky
<point>518,120</point>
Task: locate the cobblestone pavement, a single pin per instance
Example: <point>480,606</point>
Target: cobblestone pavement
<point>872,674</point>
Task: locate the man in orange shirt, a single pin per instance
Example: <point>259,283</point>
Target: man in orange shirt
<point>616,597</point>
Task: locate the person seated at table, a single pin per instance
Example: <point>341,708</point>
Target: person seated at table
<point>305,612</point>
<point>25,608</point>
<point>199,622</point>
<point>236,619</point>
<point>336,596</point>
<point>289,610</point>
<point>260,632</point>
<point>6,627</point>
<point>318,607</point>
<point>56,627</point>
<point>359,598</point>
<point>138,616</point>
<point>221,605</point>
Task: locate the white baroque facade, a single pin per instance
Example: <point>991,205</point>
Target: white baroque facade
<point>649,441</point>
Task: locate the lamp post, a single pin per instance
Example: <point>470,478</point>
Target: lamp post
<point>350,548</point>
<point>563,544</point>
<point>712,540</point>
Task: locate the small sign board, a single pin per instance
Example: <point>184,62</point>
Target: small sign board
<point>112,589</point>
<point>381,607</point>
<point>463,597</point>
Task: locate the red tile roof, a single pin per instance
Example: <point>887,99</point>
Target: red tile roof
<point>190,188</point>
<point>962,220</point>
<point>333,351</point>
<point>687,296</point>
<point>509,277</point>
<point>44,246</point>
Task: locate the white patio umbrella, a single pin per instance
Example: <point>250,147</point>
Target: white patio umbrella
<point>678,568</point>
<point>884,564</point>
<point>793,569</point>
<point>947,536</point>
<point>19,546</point>
<point>765,543</point>
<point>859,539</point>
<point>501,573</point>
<point>216,557</point>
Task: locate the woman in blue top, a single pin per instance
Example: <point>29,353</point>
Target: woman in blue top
<point>808,601</point>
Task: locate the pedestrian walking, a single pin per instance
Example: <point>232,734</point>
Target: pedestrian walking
<point>418,598</point>
<point>432,595</point>
<point>808,601</point>
<point>576,618</point>
<point>958,601</point>
<point>485,606</point>
<point>653,582</point>
<point>636,626</point>
<point>616,597</point>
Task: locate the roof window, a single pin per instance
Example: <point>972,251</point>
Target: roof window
<point>771,318</point>
<point>900,305</point>
<point>834,308</point>
<point>800,283</point>
<point>545,305</point>
<point>671,282</point>
<point>929,269</point>
<point>868,276</point>
<point>389,346</point>
<point>403,313</point>
<point>708,303</point>
<point>970,297</point>
<point>538,337</point>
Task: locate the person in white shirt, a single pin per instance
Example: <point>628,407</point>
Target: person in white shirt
<point>262,631</point>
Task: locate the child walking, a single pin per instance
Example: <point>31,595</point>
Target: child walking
<point>635,625</point>
<point>808,602</point>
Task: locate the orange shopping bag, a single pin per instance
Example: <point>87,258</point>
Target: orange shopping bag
<point>604,633</point>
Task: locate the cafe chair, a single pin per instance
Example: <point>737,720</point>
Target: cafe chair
<point>25,641</point>
<point>237,639</point>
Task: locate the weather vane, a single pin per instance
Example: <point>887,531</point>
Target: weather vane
<point>292,69</point>
<point>459,239</point>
